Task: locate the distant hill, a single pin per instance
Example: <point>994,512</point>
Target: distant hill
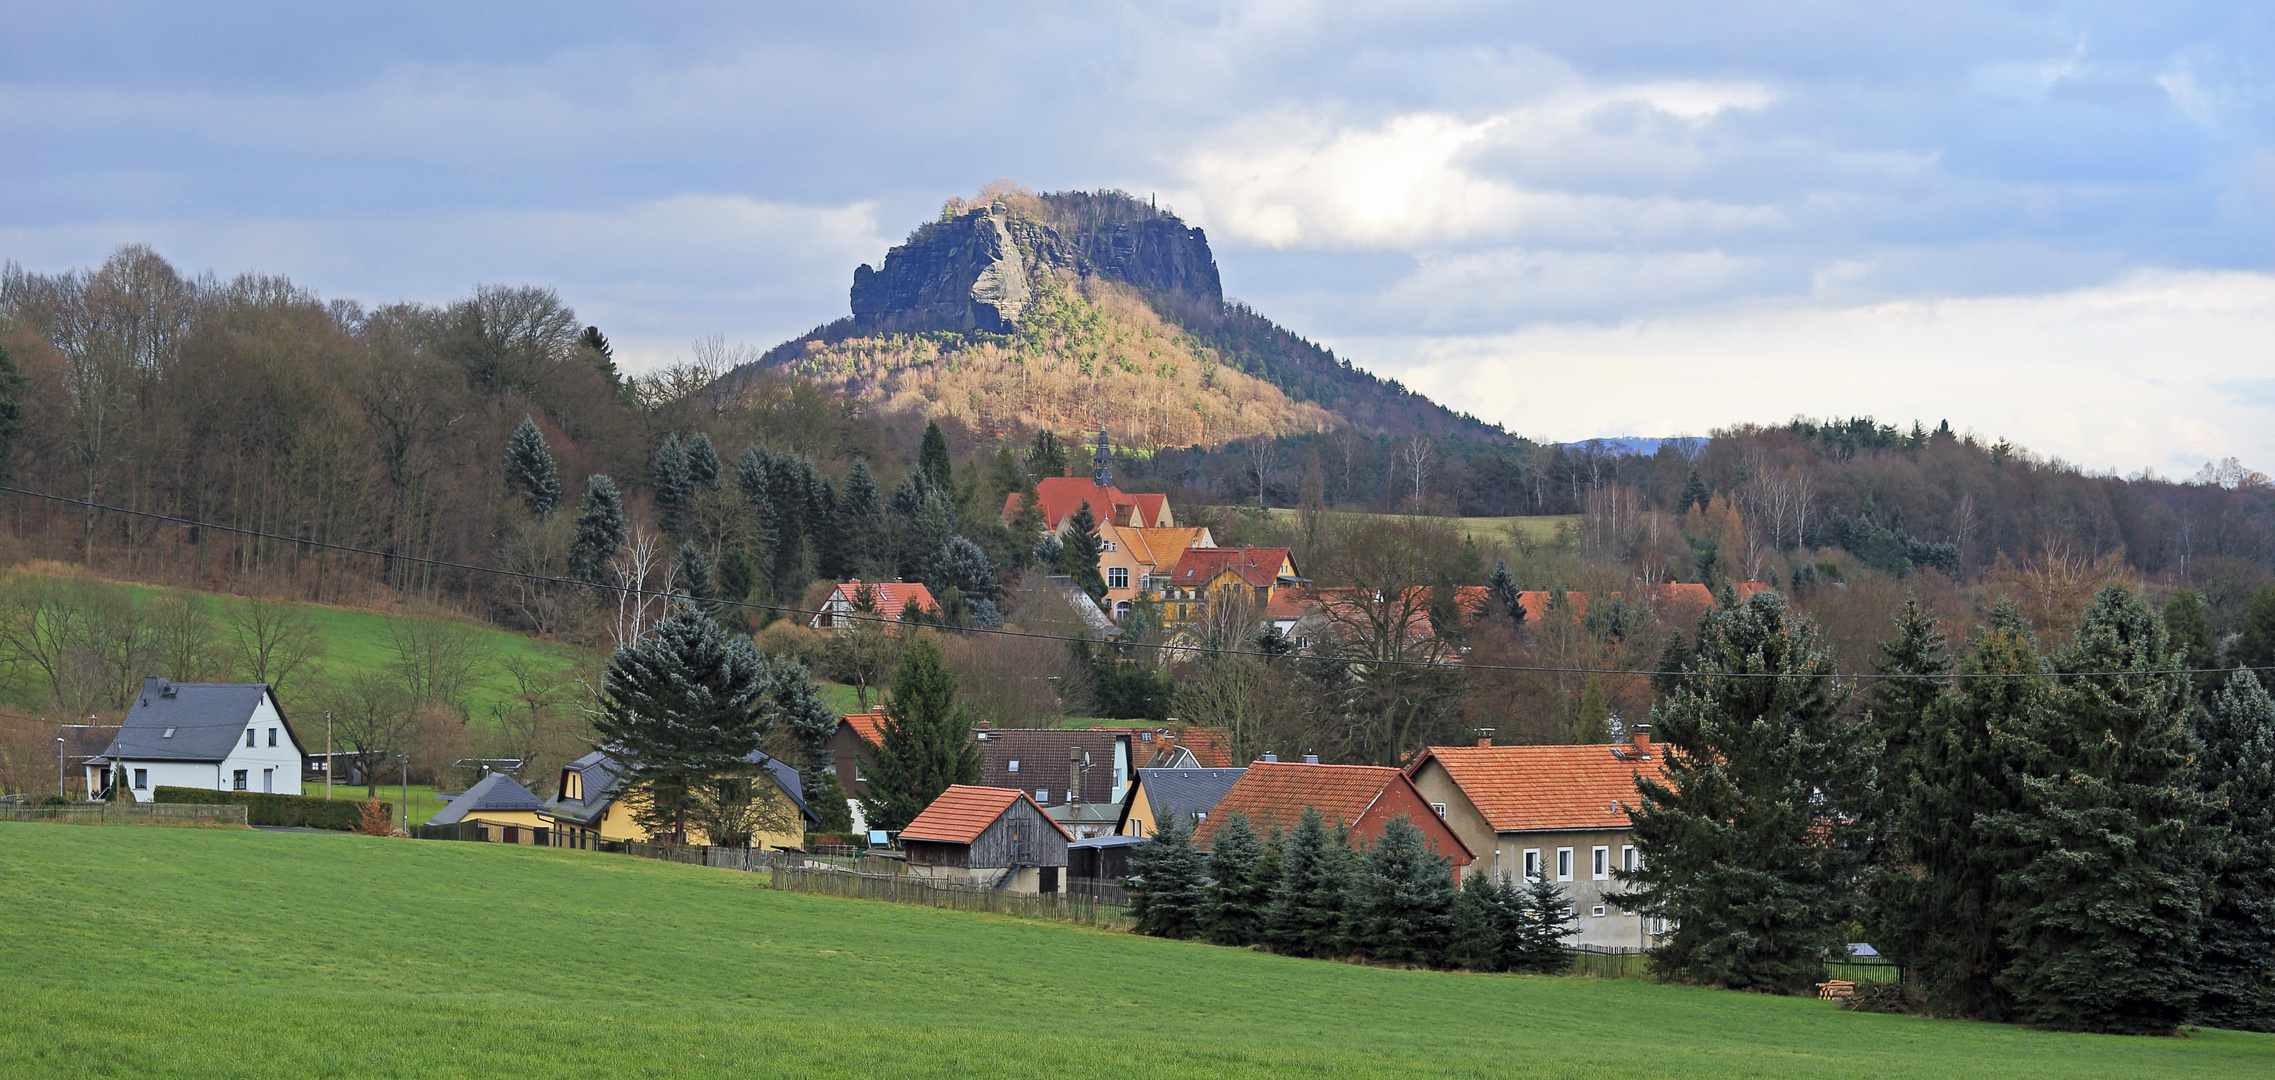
<point>1081,309</point>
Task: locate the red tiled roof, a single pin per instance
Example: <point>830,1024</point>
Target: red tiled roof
<point>889,596</point>
<point>1063,495</point>
<point>1256,566</point>
<point>1276,793</point>
<point>963,812</point>
<point>1691,598</point>
<point>1529,788</point>
<point>1211,746</point>
<point>870,726</point>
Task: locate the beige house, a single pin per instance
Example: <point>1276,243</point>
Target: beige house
<point>1554,811</point>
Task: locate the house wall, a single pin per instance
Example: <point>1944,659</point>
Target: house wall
<point>849,755</point>
<point>1615,927</point>
<point>525,823</point>
<point>993,847</point>
<point>1401,799</point>
<point>1138,820</point>
<point>1462,815</point>
<point>285,758</point>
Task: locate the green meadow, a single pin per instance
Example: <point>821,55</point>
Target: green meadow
<point>1536,529</point>
<point>180,952</point>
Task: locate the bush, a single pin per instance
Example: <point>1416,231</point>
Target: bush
<point>1882,997</point>
<point>291,811</point>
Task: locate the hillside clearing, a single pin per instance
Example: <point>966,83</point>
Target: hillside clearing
<point>1538,529</point>
<point>334,955</point>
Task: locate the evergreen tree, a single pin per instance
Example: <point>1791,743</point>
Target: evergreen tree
<point>2192,642</point>
<point>1913,666</point>
<point>1003,477</point>
<point>789,498</point>
<point>1694,494</point>
<point>1047,457</point>
<point>1079,551</point>
<point>702,463</point>
<point>1285,928</point>
<point>1477,942</point>
<point>736,578</point>
<point>529,469</point>
<point>2254,645</point>
<point>1168,882</point>
<point>1236,903</point>
<point>681,708</point>
<point>693,572</point>
<point>822,529</point>
<point>1751,846</point>
<point>793,704</point>
<point>600,530</point>
<point>962,566</point>
<point>833,809</point>
<point>861,522</point>
<point>932,458</point>
<point>1544,917</point>
<point>1405,894</point>
<point>2109,890</point>
<point>924,535</point>
<point>1939,896</point>
<point>1506,594</point>
<point>2238,774</point>
<point>671,486</point>
<point>927,741</point>
<point>1675,657</point>
<point>11,413</point>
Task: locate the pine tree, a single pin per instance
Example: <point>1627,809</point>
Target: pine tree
<point>2238,775</point>
<point>1545,916</point>
<point>1284,927</point>
<point>962,566</point>
<point>529,469</point>
<point>600,530</point>
<point>671,486</point>
<point>861,522</point>
<point>1236,905</point>
<point>2109,890</point>
<point>1751,847</point>
<point>927,741</point>
<point>932,458</point>
<point>1939,896</point>
<point>1912,666</point>
<point>1503,586</point>
<point>1079,551</point>
<point>1004,478</point>
<point>1405,893</point>
<point>702,463</point>
<point>822,529</point>
<point>924,535</point>
<point>11,413</point>
<point>1694,494</point>
<point>2192,641</point>
<point>2254,645</point>
<point>1476,943</point>
<point>1047,457</point>
<point>794,705</point>
<point>680,708</point>
<point>1169,882</point>
<point>693,572</point>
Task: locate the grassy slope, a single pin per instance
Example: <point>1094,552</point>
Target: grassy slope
<point>1540,528</point>
<point>291,955</point>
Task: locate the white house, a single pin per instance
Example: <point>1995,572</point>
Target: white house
<point>216,736</point>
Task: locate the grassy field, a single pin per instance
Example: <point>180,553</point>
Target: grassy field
<point>150,952</point>
<point>423,803</point>
<point>1540,529</point>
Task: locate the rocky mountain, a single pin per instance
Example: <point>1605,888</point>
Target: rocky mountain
<point>1017,311</point>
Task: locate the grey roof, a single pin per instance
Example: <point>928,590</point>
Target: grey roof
<point>1111,841</point>
<point>497,793</point>
<point>1188,791</point>
<point>207,720</point>
<point>604,781</point>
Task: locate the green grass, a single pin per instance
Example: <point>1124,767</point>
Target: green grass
<point>423,803</point>
<point>134,952</point>
<point>1540,528</point>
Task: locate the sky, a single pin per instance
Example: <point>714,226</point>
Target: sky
<point>2046,222</point>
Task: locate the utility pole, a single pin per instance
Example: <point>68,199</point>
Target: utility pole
<point>406,758</point>
<point>59,767</point>
<point>327,753</point>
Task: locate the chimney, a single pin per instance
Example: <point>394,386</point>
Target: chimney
<point>1484,736</point>
<point>1643,738</point>
<point>1311,759</point>
<point>1073,774</point>
<point>1272,758</point>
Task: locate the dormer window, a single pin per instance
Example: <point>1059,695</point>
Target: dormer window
<point>1014,764</point>
<point>168,735</point>
<point>572,784</point>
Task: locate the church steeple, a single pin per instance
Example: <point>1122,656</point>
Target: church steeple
<point>1102,463</point>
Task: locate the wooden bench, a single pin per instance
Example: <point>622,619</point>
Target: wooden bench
<point>1836,990</point>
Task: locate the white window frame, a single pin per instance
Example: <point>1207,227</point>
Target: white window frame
<point>1440,808</point>
<point>1628,859</point>
<point>1596,912</point>
<point>1599,863</point>
<point>1117,577</point>
<point>141,779</point>
<point>1043,795</point>
<point>1533,868</point>
<point>1565,864</point>
<point>249,737</point>
<point>272,736</point>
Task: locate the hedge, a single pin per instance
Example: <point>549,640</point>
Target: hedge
<point>295,811</point>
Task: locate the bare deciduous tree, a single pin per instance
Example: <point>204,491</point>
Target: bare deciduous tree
<point>273,641</point>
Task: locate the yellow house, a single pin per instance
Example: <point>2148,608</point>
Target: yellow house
<point>1203,575</point>
<point>592,807</point>
<point>498,806</point>
<point>1188,793</point>
<point>1133,560</point>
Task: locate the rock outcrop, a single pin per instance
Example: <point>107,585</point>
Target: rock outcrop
<point>976,271</point>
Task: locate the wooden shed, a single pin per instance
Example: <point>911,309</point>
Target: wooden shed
<point>987,836</point>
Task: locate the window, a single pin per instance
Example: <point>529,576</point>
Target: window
<point>1597,911</point>
<point>1600,866</point>
<point>1042,795</point>
<point>272,736</point>
<point>168,735</point>
<point>1137,827</point>
<point>1628,859</point>
<point>1532,864</point>
<point>572,784</point>
<point>1014,764</point>
<point>1121,610</point>
<point>513,836</point>
<point>248,736</point>
<point>1439,808</point>
<point>238,781</point>
<point>1117,577</point>
<point>141,779</point>
<point>1563,864</point>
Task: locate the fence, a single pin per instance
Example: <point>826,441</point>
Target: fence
<point>1082,902</point>
<point>1604,962</point>
<point>106,813</point>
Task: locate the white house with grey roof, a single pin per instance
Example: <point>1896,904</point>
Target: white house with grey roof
<point>215,736</point>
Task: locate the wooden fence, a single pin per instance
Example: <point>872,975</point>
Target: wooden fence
<point>126,813</point>
<point>1092,903</point>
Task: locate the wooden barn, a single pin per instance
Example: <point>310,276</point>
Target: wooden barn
<point>995,837</point>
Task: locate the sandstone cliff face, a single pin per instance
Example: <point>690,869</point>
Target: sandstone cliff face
<point>979,270</point>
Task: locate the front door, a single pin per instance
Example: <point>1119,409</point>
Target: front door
<point>268,781</point>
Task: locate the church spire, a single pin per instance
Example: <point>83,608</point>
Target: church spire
<point>1102,462</point>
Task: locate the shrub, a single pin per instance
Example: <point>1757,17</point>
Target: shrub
<point>374,819</point>
<point>291,811</point>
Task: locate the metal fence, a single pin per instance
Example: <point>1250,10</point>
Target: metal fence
<point>1607,962</point>
<point>1082,902</point>
<point>105,813</point>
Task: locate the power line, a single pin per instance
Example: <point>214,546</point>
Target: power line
<point>1000,632</point>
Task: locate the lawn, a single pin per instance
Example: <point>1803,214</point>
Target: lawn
<point>150,952</point>
<point>423,803</point>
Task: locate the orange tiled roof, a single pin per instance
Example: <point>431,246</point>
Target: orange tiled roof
<point>869,725</point>
<point>1211,746</point>
<point>964,811</point>
<point>1256,566</point>
<point>1529,788</point>
<point>1063,495</point>
<point>1691,598</point>
<point>1274,794</point>
<point>890,596</point>
<point>1161,548</point>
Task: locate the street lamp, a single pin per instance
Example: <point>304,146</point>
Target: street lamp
<point>406,760</point>
<point>327,753</point>
<point>59,767</point>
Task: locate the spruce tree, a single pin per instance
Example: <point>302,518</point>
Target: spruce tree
<point>1476,943</point>
<point>1939,897</point>
<point>529,469</point>
<point>1003,476</point>
<point>821,529</point>
<point>1236,906</point>
<point>671,487</point>
<point>1169,882</point>
<point>1506,594</point>
<point>1694,494</point>
<point>600,530</point>
<point>1285,929</point>
<point>693,573</point>
<point>927,741</point>
<point>1545,916</point>
<point>1079,551</point>
<point>924,535</point>
<point>794,705</point>
<point>1405,894</point>
<point>679,709</point>
<point>1751,846</point>
<point>1047,457</point>
<point>962,566</point>
<point>2238,738</point>
<point>2254,645</point>
<point>702,463</point>
<point>789,497</point>
<point>2192,641</point>
<point>932,458</point>
<point>11,413</point>
<point>2109,890</point>
<point>1675,658</point>
<point>861,522</point>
